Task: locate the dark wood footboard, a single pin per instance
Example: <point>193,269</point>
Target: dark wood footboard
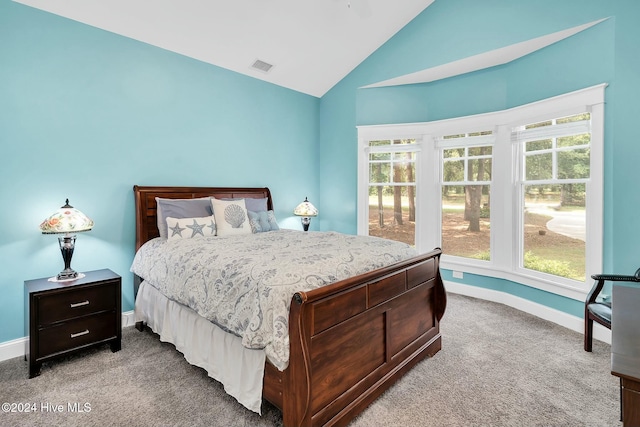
<point>352,340</point>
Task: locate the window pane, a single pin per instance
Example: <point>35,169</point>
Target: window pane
<point>379,172</point>
<point>480,151</point>
<point>573,164</point>
<point>544,144</point>
<point>402,172</point>
<point>539,125</point>
<point>409,156</point>
<point>554,230</point>
<point>384,142</point>
<point>380,156</point>
<point>392,213</point>
<point>466,221</point>
<point>453,171</point>
<point>574,140</point>
<point>379,143</point>
<point>576,118</point>
<point>453,153</point>
<point>479,170</point>
<point>539,167</point>
<point>484,132</point>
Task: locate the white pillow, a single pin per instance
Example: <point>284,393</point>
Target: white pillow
<point>231,217</point>
<point>188,228</point>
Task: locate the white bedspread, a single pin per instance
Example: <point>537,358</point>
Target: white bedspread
<point>244,284</point>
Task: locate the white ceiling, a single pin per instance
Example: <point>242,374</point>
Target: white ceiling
<point>312,44</point>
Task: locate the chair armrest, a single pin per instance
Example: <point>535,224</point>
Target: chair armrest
<point>595,290</point>
<point>601,278</point>
<point>615,278</point>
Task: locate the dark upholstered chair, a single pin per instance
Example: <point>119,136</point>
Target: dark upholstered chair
<point>599,311</point>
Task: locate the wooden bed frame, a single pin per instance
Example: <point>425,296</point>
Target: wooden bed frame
<point>349,341</point>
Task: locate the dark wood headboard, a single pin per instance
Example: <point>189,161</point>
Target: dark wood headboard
<point>145,200</point>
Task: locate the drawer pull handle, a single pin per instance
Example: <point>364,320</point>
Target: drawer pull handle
<point>79,334</point>
<point>79,304</point>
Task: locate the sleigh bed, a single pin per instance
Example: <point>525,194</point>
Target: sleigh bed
<point>348,341</point>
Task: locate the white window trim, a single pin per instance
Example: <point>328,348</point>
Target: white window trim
<point>505,256</point>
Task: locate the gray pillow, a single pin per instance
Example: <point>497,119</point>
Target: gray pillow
<point>271,217</point>
<point>255,205</point>
<point>181,208</point>
<point>262,221</point>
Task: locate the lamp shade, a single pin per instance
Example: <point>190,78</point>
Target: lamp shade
<point>305,209</point>
<point>66,220</point>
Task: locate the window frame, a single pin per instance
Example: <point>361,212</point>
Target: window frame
<point>506,174</point>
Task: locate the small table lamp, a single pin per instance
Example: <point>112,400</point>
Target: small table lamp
<point>306,210</point>
<point>67,220</point>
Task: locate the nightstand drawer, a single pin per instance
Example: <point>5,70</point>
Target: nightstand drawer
<point>76,333</point>
<point>78,302</point>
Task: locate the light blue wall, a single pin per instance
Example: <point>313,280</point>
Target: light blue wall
<point>86,114</point>
<point>450,30</point>
<point>584,60</point>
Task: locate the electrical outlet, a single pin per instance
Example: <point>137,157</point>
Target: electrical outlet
<point>458,274</point>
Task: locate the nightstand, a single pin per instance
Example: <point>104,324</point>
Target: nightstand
<point>64,317</point>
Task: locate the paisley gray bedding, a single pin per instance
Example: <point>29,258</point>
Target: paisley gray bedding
<point>245,283</point>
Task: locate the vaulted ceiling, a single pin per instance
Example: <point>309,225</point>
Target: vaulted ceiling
<point>311,44</point>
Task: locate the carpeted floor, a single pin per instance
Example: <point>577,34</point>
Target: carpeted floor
<point>498,367</point>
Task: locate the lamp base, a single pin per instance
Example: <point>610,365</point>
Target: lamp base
<point>67,274</point>
<point>67,244</point>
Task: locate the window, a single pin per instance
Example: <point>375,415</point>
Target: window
<point>466,188</point>
<point>392,189</point>
<point>555,159</point>
<point>513,194</point>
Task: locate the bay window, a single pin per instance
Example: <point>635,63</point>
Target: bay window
<point>513,194</point>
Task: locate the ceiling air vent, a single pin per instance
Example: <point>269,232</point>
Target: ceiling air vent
<point>262,66</point>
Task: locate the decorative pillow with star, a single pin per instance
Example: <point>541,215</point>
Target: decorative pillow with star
<point>181,208</point>
<point>189,228</point>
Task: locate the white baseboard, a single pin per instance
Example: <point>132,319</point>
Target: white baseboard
<point>13,348</point>
<point>561,318</point>
<point>17,347</point>
<point>127,319</point>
